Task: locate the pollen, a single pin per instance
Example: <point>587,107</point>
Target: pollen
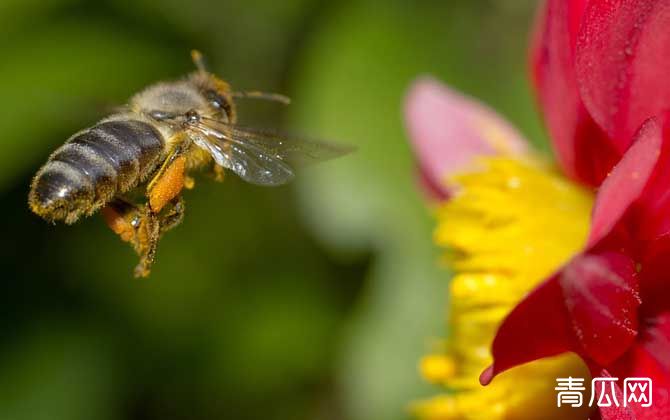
<point>509,225</point>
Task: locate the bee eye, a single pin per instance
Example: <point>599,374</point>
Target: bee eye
<point>217,101</point>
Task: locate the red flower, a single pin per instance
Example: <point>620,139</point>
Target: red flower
<point>610,303</point>
<point>600,68</point>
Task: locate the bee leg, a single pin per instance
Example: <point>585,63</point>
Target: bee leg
<point>146,242</point>
<point>152,227</point>
<point>168,181</point>
<point>163,189</point>
<point>171,177</point>
<point>174,215</point>
<point>123,218</point>
<point>137,225</point>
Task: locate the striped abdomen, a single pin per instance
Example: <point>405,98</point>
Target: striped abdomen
<point>92,167</point>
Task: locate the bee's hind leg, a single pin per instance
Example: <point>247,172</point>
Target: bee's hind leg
<point>149,232</point>
<point>152,226</point>
<point>123,218</point>
<point>174,215</point>
<point>163,211</point>
<point>143,225</point>
<point>139,226</point>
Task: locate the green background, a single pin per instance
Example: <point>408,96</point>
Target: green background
<point>311,301</point>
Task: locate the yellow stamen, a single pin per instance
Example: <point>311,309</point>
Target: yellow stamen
<point>509,226</point>
<point>437,368</point>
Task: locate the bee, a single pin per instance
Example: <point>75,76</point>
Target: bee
<point>150,148</point>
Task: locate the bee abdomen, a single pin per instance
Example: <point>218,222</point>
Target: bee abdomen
<point>93,166</point>
<point>130,147</point>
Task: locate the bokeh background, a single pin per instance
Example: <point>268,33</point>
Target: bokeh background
<point>311,301</point>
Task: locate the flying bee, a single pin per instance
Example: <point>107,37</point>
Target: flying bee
<point>151,146</point>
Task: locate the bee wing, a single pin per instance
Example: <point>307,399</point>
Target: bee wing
<point>250,163</point>
<point>258,156</point>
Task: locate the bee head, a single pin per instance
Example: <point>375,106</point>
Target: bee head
<point>171,104</point>
<point>217,92</point>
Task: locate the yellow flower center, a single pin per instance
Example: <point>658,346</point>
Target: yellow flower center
<point>509,226</point>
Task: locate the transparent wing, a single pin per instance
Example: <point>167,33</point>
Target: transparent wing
<point>260,156</point>
<point>292,149</point>
<point>252,164</point>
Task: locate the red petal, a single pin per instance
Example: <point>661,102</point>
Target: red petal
<point>614,412</point>
<point>449,129</point>
<point>601,293</point>
<point>538,327</point>
<point>654,222</point>
<point>551,15</point>
<point>584,151</point>
<point>622,57</point>
<point>654,278</point>
<point>590,307</point>
<point>650,358</point>
<point>626,182</point>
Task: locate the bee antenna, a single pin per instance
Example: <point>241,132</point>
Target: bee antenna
<point>199,61</point>
<point>275,97</point>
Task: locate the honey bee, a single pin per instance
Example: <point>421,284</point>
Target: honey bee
<point>150,148</point>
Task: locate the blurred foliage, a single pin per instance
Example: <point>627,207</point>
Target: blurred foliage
<point>312,301</point>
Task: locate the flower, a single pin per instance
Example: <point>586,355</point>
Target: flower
<point>582,149</point>
<point>608,304</point>
<point>511,219</point>
<point>598,67</point>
